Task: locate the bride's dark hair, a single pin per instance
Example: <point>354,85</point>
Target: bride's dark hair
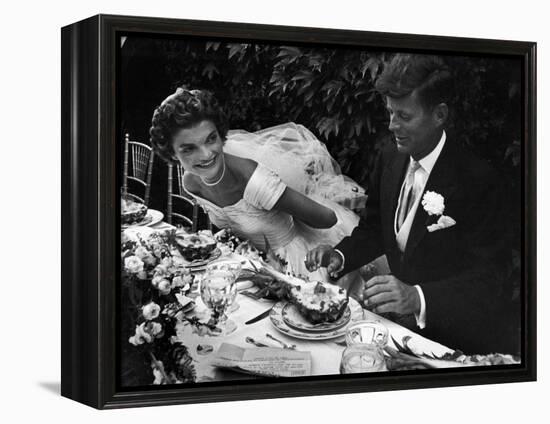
<point>184,109</point>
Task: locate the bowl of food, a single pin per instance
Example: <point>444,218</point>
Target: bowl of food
<point>319,302</point>
<point>132,212</point>
<point>195,246</point>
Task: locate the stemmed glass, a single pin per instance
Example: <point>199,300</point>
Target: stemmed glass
<point>226,265</point>
<point>218,292</point>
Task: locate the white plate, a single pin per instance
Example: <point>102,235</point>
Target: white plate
<point>156,217</point>
<point>293,318</point>
<point>200,264</point>
<point>151,218</point>
<point>276,317</point>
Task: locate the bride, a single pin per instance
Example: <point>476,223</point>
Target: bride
<point>279,183</point>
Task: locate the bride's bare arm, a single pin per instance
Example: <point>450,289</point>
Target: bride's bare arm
<point>305,209</point>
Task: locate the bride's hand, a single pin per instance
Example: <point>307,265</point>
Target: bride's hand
<point>323,256</point>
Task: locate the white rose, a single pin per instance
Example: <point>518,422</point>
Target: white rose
<point>164,287</point>
<point>141,336</point>
<point>150,311</point>
<point>161,271</point>
<point>156,280</point>
<point>181,281</point>
<point>133,264</point>
<point>136,341</point>
<point>166,261</point>
<point>154,329</point>
<point>433,203</point>
<point>144,254</point>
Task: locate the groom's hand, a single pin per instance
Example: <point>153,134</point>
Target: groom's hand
<point>386,293</point>
<point>323,256</point>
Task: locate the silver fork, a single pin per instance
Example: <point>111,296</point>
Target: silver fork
<point>255,343</point>
<point>285,345</point>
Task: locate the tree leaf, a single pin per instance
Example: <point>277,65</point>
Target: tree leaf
<point>209,70</point>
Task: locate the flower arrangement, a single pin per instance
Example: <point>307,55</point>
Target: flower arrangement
<point>152,277</point>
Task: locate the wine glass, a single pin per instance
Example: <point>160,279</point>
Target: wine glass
<point>218,291</point>
<point>233,266</point>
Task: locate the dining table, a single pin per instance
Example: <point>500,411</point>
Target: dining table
<point>326,354</point>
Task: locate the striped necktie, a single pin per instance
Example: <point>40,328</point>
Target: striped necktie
<point>409,194</point>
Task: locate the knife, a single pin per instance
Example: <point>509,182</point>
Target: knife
<point>259,317</point>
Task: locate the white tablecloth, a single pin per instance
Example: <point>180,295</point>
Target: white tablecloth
<point>325,354</point>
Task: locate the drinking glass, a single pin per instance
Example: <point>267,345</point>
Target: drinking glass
<point>365,341</point>
<point>218,291</point>
<point>226,265</point>
<point>367,332</point>
<point>362,358</point>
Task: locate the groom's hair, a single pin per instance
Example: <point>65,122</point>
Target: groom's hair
<point>428,74</point>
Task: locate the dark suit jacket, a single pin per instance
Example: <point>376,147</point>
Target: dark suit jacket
<point>460,268</point>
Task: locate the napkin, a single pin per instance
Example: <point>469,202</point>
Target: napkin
<point>263,361</point>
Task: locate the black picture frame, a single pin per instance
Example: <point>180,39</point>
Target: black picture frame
<point>90,223</point>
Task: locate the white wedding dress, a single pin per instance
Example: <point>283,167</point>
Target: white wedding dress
<point>287,155</point>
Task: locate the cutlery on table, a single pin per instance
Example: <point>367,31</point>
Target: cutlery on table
<point>285,345</point>
<point>255,343</point>
<point>263,315</point>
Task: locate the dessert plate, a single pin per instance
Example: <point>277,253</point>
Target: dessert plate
<point>292,317</point>
<point>276,316</point>
<point>151,218</point>
<point>200,264</point>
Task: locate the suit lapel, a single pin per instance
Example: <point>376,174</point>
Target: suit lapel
<point>442,180</point>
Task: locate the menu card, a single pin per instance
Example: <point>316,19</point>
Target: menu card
<point>263,361</point>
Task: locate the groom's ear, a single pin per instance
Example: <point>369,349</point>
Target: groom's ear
<point>441,114</point>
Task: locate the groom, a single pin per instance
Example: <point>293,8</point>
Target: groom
<point>437,213</point>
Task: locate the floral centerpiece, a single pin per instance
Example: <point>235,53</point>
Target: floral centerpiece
<point>152,279</point>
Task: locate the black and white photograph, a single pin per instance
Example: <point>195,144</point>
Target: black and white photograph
<point>276,212</point>
<point>297,210</point>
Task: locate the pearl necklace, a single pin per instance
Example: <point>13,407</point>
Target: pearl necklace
<point>215,182</point>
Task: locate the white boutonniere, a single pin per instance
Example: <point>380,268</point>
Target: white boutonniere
<point>434,205</point>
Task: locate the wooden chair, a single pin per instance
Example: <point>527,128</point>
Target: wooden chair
<point>141,169</point>
<point>189,212</point>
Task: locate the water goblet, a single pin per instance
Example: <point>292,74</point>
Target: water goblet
<point>233,266</point>
<point>218,291</point>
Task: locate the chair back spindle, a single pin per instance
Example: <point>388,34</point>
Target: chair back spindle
<point>140,170</point>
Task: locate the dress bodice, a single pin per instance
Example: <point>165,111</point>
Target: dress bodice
<point>253,216</point>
